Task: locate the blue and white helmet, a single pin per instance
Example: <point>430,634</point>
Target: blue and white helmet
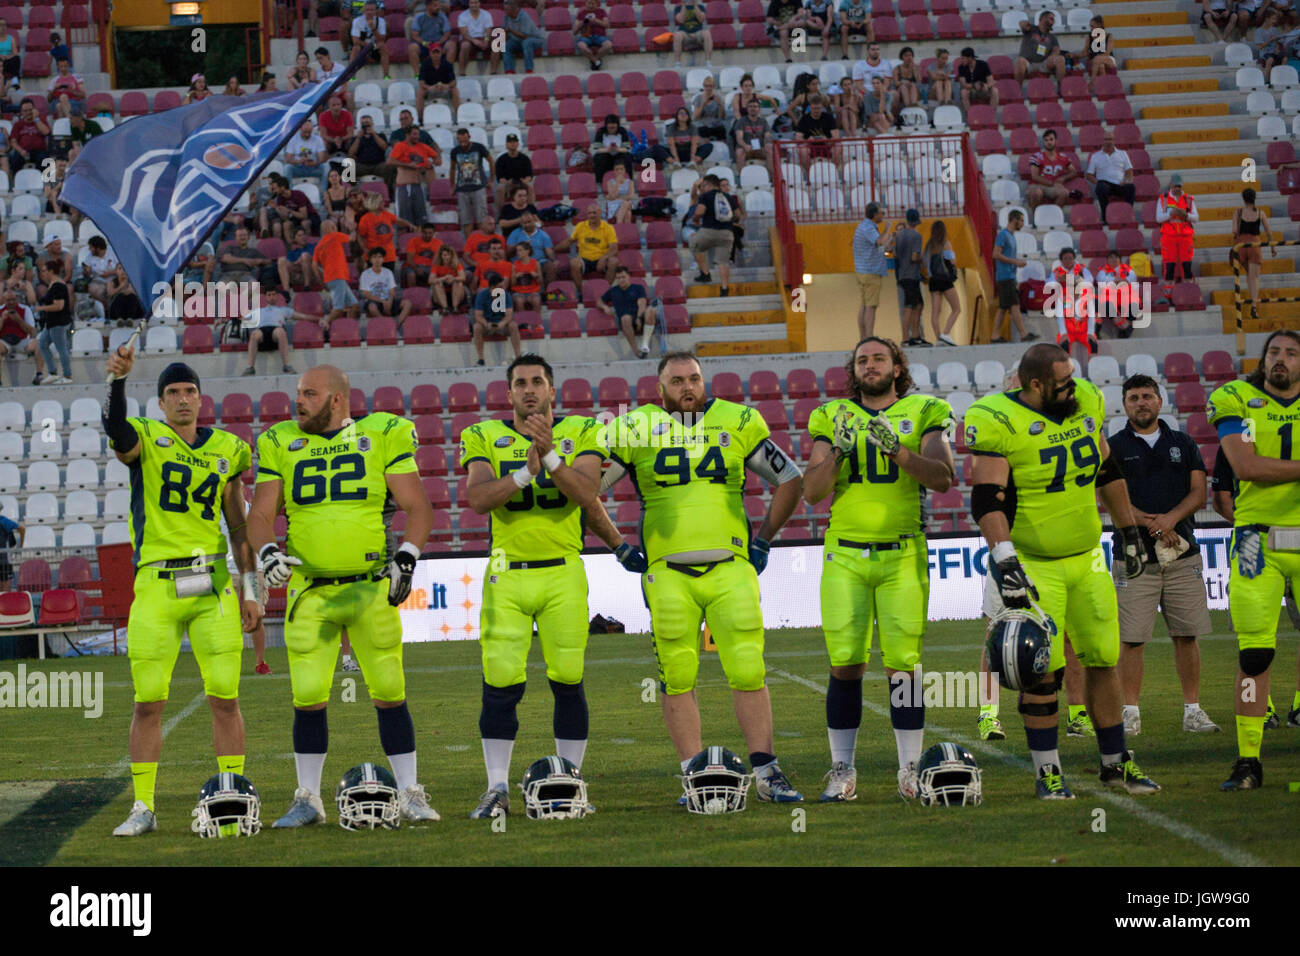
<point>947,774</point>
<point>228,806</point>
<point>1019,647</point>
<point>367,798</point>
<point>716,782</point>
<point>554,790</point>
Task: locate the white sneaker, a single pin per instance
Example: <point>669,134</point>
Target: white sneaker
<point>642,352</point>
<point>1198,722</point>
<point>1132,725</point>
<point>141,820</point>
<point>414,805</point>
<point>907,782</point>
<point>350,665</point>
<point>842,784</point>
<point>305,810</point>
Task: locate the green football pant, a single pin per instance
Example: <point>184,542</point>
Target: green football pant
<point>556,598</point>
<point>888,588</point>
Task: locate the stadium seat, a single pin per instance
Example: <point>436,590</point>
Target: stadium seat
<point>388,398</point>
<point>16,609</point>
<point>1189,397</point>
<point>612,392</point>
<point>274,407</point>
<point>1218,366</point>
<point>952,375</point>
<point>1180,367</point>
<point>60,606</point>
<point>726,386</point>
<point>803,409</point>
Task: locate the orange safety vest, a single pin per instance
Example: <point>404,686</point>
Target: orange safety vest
<point>1174,227</point>
<point>1068,300</point>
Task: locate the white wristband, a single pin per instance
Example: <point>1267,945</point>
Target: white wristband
<point>1002,551</point>
<point>412,549</point>
<point>552,461</point>
<point>522,477</point>
<point>250,585</point>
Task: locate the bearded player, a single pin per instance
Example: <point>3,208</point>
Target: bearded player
<point>878,451</point>
<point>687,461</point>
<point>1259,429</point>
<point>1046,441</point>
<point>183,479</point>
<point>339,482</point>
<point>534,475</point>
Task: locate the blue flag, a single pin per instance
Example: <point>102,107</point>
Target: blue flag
<point>157,185</point>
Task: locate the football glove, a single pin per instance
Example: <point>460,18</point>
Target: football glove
<point>1013,583</point>
<point>630,556</point>
<point>758,554</point>
<point>1134,552</point>
<point>1250,551</point>
<point>881,434</point>
<point>844,436</point>
<point>277,566</point>
<point>399,573</point>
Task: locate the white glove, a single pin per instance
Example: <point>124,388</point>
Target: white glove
<point>277,566</point>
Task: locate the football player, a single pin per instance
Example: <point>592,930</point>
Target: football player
<point>339,481</point>
<point>534,475</point>
<point>183,479</point>
<point>1258,421</point>
<point>1046,440</point>
<point>687,461</point>
<point>878,452</point>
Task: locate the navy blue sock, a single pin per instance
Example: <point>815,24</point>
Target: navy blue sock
<point>844,704</point>
<point>906,715</point>
<point>758,759</point>
<point>1110,740</point>
<point>1041,738</point>
<point>499,720</point>
<point>396,730</point>
<point>570,719</point>
<point>311,732</point>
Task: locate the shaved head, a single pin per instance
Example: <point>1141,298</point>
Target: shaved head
<point>323,399</point>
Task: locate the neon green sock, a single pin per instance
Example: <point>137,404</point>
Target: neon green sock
<point>1250,735</point>
<point>1295,701</point>
<point>231,764</point>
<point>988,710</point>
<point>1271,708</point>
<point>1074,710</point>
<point>144,777</point>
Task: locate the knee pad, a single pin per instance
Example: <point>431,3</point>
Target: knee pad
<point>1255,660</point>
<point>498,719</point>
<point>1049,686</point>
<point>1037,710</point>
<point>747,671</point>
<point>679,664</point>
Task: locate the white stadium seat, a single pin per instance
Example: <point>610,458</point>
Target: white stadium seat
<point>117,505</point>
<point>161,340</point>
<point>10,477</point>
<point>948,119</point>
<point>81,506</point>
<point>13,417</point>
<point>471,114</point>
<point>45,446</point>
<point>1250,78</point>
<point>920,375</point>
<point>1284,77</point>
<point>1271,128</point>
<point>24,231</point>
<point>1290,101</point>
<point>152,409</point>
<point>438,114</point>
<point>997,166</point>
<point>28,180</point>
<point>26,207</point>
<point>951,375</point>
<point>82,473</point>
<point>989,375</point>
<point>79,536</point>
<point>39,538</point>
<point>1104,370</point>
<point>41,508</point>
<point>1026,244</point>
<point>1260,103</point>
<point>1004,191</point>
<point>11,448</point>
<point>58,229</point>
<point>45,411</point>
<point>760,202</point>
<point>376,116</point>
<point>793,71</point>
<point>87,343</point>
<point>368,94</point>
<point>1049,216</point>
<point>116,474</point>
<point>1031,271</point>
<point>401,93</point>
<point>1055,241</point>
<point>1141,364</point>
<point>506,112</point>
<point>1113,395</point>
<point>755,177</point>
<point>961,401</point>
<point>85,443</point>
<point>470,88</point>
<point>116,532</point>
<point>766,77</point>
<point>42,476</point>
<point>1238,54</point>
<point>500,89</point>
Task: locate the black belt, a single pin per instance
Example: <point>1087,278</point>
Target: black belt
<point>525,565</point>
<point>874,545</point>
<point>327,582</point>
<point>172,565</point>
<point>692,570</point>
<point>168,575</point>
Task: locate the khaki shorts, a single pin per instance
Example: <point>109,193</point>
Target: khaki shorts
<point>692,41</point>
<point>870,285</point>
<point>1178,589</point>
<point>719,240</point>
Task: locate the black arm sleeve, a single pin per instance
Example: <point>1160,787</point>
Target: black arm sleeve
<point>121,434</point>
<point>1109,471</point>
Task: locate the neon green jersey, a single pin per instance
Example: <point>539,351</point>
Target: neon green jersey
<point>874,499</point>
<point>1239,408</point>
<point>335,495</point>
<point>538,523</point>
<point>1054,466</point>
<point>176,490</point>
<point>691,480</point>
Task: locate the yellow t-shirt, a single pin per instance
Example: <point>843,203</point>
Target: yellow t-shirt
<point>594,244</point>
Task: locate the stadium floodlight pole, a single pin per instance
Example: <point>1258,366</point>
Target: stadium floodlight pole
<point>109,179</point>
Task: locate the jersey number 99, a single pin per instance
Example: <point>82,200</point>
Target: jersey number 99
<point>546,496</point>
<point>310,486</point>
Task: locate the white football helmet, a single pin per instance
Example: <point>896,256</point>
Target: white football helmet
<point>554,790</point>
<point>715,782</point>
<point>948,774</point>
<point>367,798</point>
<point>228,806</point>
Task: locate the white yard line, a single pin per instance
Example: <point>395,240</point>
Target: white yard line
<point>123,765</point>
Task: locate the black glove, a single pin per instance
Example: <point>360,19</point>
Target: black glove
<point>1134,551</point>
<point>399,573</point>
<point>1013,583</point>
<point>631,558</point>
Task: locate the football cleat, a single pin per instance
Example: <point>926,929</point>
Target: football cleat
<point>1081,726</point>
<point>554,790</point>
<point>1129,775</point>
<point>907,781</point>
<point>413,805</point>
<point>1132,724</point>
<point>1293,718</point>
<point>305,810</point>
<point>1019,648</point>
<point>1247,774</point>
<point>350,666</point>
<point>842,784</point>
<point>263,668</point>
<point>990,728</point>
<point>715,781</point>
<point>228,806</point>
<point>948,774</point>
<point>493,803</point>
<point>1271,720</point>
<point>367,799</point>
<point>1198,722</point>
<point>141,820</point>
<point>1051,784</point>
<point>775,787</point>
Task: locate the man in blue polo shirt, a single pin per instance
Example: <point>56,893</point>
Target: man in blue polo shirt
<point>1004,276</point>
<point>870,264</point>
<point>627,302</point>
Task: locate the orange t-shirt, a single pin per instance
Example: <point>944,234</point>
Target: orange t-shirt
<point>421,253</point>
<point>444,270</point>
<point>528,276</point>
<point>331,255</point>
<point>477,244</point>
<point>378,229</point>
<point>423,155</point>
<point>483,265</point>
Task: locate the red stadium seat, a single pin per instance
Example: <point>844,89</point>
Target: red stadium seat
<point>1023,141</point>
<point>1119,215</point>
<point>431,460</point>
<point>1107,87</point>
<point>592,290</point>
<point>437,491</point>
<point>133,103</point>
<point>307,335</point>
<point>1039,89</point>
<point>1218,366</point>
<point>236,407</point>
<point>802,383</point>
<point>1187,297</point>
<point>454,328</point>
<point>654,15</point>
<point>1016,116</point>
<point>984,25</point>
<point>534,88</point>
<point>462,397</point>
<point>1189,397</point>
<point>1116,111</point>
<point>647,390</point>
<point>166,100</point>
<point>621,16</point>
<point>564,325</point>
<point>388,398</point>
<point>460,422</point>
<point>1093,243</point>
<point>497,398</point>
<point>598,322</point>
<point>887,30</point>
<point>982,117</point>
<point>670,290</point>
<point>989,141</point>
<point>34,575</point>
<point>538,113</point>
<point>16,609</point>
<point>1200,429</point>
<point>626,40</point>
<point>764,385</point>
<point>751,11</point>
<point>558,20</point>
<point>74,572</point>
<point>667,81</point>
<point>803,409</point>
<point>575,393</point>
<point>660,235</point>
<point>726,385</point>
<point>382,330</point>
<point>97,103</point>
<point>1074,89</point>
<point>669,104</point>
<point>918,27</point>
<point>1083,216</point>
<point>344,333</point>
<point>473,529</point>
<point>426,400</point>
<point>274,407</point>
<point>951,27</point>
<point>1180,367</point>
<point>428,427</point>
<point>1049,115</point>
<point>196,340</point>
<point>837,382</point>
<point>60,606</point>
<point>754,36</point>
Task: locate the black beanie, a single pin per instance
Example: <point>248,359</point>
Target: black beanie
<point>177,372</point>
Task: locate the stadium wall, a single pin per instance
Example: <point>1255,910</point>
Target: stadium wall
<point>154,13</point>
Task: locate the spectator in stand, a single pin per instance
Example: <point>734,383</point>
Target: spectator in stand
<point>1049,172</point>
<point>709,110</point>
<point>239,263</point>
<point>513,168</point>
<point>941,266</point>
<point>494,313</point>
<point>806,86</point>
<point>523,37</point>
<point>815,129</point>
<point>855,20</point>
<point>683,140</point>
<point>691,32</point>
<point>437,81</point>
<point>372,27</point>
<point>298,259</point>
<point>740,101</point>
<point>1177,215</point>
<point>477,242</point>
<point>330,258</point>
<point>286,206</point>
<point>27,139</point>
<point>870,264</point>
<point>198,89</point>
<point>619,196</point>
<point>526,281</point>
<point>907,256</point>
<point>872,79</point>
<point>1219,18</point>
<point>378,230</point>
<point>593,245</point>
<point>369,151</point>
<point>232,88</point>
<point>493,263</point>
<point>783,17</point>
<point>302,72</point>
<point>200,267</point>
<point>22,266</point>
<point>876,105</point>
<point>124,305</point>
<point>976,80</point>
<point>99,267</point>
<point>405,123</point>
<point>628,303</point>
<point>539,243</point>
<point>54,252</point>
<point>12,536</point>
<point>513,212</point>
<point>940,80</point>
<point>1121,304</point>
<point>83,131</point>
<point>13,63</point>
<point>1248,224</point>
<point>591,39</point>
<point>54,204</point>
<point>429,28</point>
<point>1103,60</point>
<point>1004,274</point>
<point>305,155</point>
<point>609,146</point>
<point>66,83</point>
<point>447,282</point>
<point>821,20</point>
<point>1077,314</point>
<point>336,125</point>
<point>321,8</point>
<point>58,49</point>
<point>18,333</point>
<point>268,83</point>
<point>1249,14</point>
<point>751,137</point>
<point>907,80</point>
<point>1271,43</point>
<point>353,212</point>
<point>1040,50</point>
<point>421,251</point>
<point>379,289</point>
<point>416,165</point>
<point>54,314</point>
<point>270,334</point>
<point>327,70</point>
<point>476,36</point>
<point>472,173</point>
<point>1111,173</point>
<point>714,215</point>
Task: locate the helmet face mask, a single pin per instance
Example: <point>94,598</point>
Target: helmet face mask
<point>947,774</point>
<point>367,799</point>
<point>1019,648</point>
<point>228,806</point>
<point>716,782</point>
<point>554,790</point>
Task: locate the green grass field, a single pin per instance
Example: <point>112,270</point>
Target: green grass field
<point>630,766</point>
